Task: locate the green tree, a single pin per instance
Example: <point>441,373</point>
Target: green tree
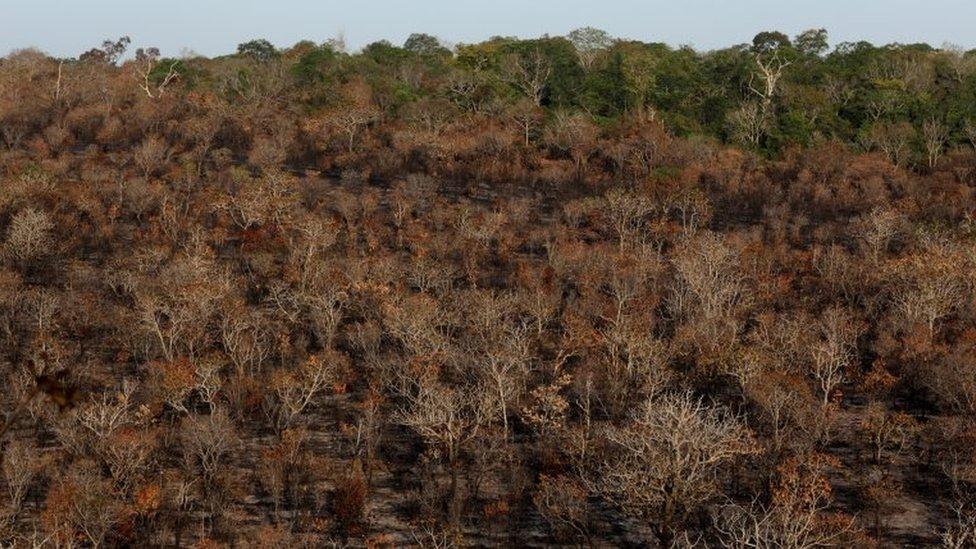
<point>425,45</point>
<point>769,42</point>
<point>259,49</point>
<point>811,42</point>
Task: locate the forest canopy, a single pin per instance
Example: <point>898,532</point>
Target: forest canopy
<point>767,95</point>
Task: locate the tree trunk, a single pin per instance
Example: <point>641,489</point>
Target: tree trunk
<point>454,500</point>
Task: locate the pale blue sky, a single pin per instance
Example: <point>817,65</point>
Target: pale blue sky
<point>213,27</point>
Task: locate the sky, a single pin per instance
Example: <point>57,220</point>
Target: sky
<point>215,27</point>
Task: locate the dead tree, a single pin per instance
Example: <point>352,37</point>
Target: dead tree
<point>934,135</point>
<point>144,67</point>
<point>834,353</point>
<point>448,419</point>
<point>667,460</point>
<point>769,68</point>
<point>528,72</point>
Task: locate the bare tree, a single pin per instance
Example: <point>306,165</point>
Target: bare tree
<point>574,135</point>
<point>876,229</point>
<point>934,134</point>
<point>462,88</point>
<point>784,402</point>
<point>368,431</point>
<point>589,44</point>
<point>151,155</point>
<point>769,69</point>
<point>85,502</point>
<point>247,339</point>
<point>22,463</point>
<point>892,139</point>
<point>415,323</point>
<point>503,361</point>
<point>635,363</point>
<point>175,308</point>
<point>748,123</point>
<point>128,455</point>
<point>29,236</point>
<point>431,116</point>
<point>541,303</point>
<point>527,116</point>
<point>105,415</point>
<point>667,460</point>
<point>952,380</point>
<point>628,214</point>
<point>834,353</point>
<point>798,516</point>
<point>448,419</point>
<point>250,203</point>
<point>352,119</point>
<point>144,69</point>
<point>840,271</point>
<point>710,290</point>
<point>528,72</point>
<point>927,287</point>
<point>962,65</point>
<point>208,380</point>
<point>887,429</point>
<point>562,502</point>
<point>961,534</point>
<point>969,130</point>
<point>692,207</point>
<point>293,391</point>
<point>207,441</point>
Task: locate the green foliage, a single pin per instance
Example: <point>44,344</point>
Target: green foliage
<point>665,173</point>
<point>188,74</point>
<point>567,75</point>
<point>485,56</point>
<point>819,94</point>
<point>259,49</point>
<point>109,53</point>
<point>314,65</point>
<point>384,53</point>
<point>770,41</point>
<point>605,90</point>
<point>426,46</point>
<point>812,42</point>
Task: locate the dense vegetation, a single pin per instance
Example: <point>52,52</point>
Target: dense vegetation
<point>569,290</point>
